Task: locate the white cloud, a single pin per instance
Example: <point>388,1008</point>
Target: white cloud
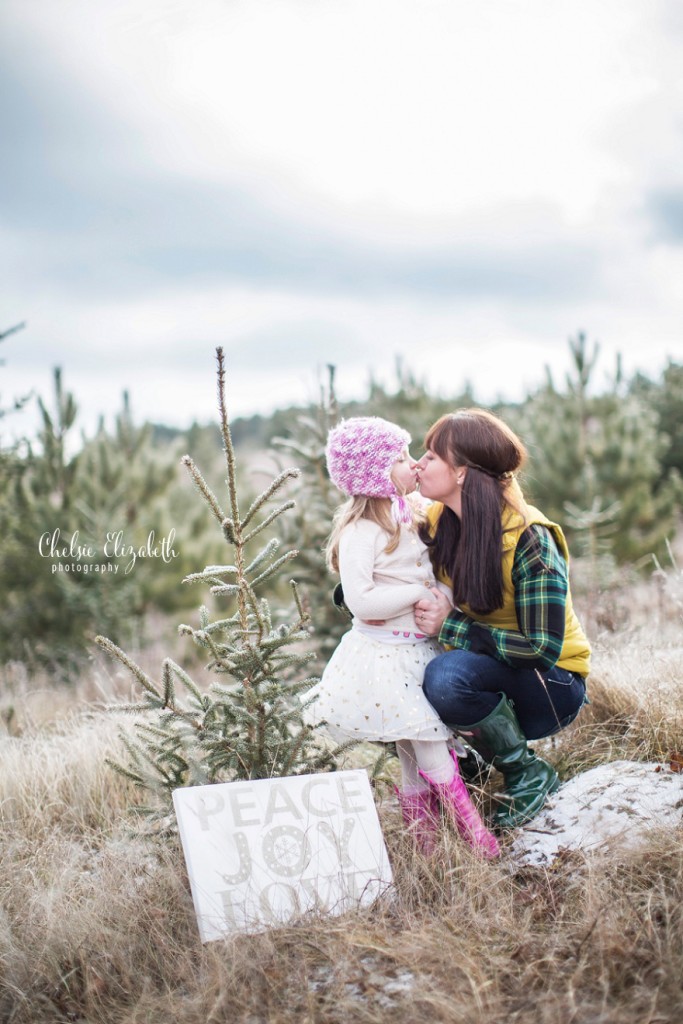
<point>421,108</point>
<point>306,181</point>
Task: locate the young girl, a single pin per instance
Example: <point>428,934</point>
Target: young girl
<point>371,688</point>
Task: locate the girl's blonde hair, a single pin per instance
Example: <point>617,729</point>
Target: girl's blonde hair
<point>377,510</point>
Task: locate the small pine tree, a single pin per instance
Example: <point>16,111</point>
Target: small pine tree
<point>248,724</point>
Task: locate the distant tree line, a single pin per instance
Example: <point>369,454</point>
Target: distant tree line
<point>605,461</point>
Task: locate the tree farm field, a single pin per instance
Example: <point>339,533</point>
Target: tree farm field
<point>97,923</point>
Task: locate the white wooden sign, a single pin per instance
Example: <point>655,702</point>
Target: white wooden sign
<point>265,852</point>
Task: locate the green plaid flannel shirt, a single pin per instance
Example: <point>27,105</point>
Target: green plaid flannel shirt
<point>540,579</point>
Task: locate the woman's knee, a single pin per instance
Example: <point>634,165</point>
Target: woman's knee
<point>573,701</point>
<point>566,696</point>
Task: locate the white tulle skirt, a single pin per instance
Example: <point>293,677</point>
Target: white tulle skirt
<point>373,691</point>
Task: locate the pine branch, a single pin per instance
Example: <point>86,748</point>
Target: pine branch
<point>274,568</point>
<point>125,772</point>
<point>187,681</point>
<point>303,615</point>
<point>227,439</point>
<point>265,553</point>
<point>169,689</point>
<point>287,474</point>
<point>203,487</point>
<point>269,519</point>
<point>141,676</point>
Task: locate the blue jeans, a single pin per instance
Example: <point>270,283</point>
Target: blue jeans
<point>463,688</point>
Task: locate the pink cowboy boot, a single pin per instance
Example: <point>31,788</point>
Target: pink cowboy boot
<point>420,817</point>
<point>456,801</point>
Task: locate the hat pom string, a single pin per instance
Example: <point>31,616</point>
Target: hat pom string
<point>401,511</point>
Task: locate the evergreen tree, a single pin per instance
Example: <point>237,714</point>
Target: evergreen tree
<point>665,399</point>
<point>44,613</point>
<point>248,724</point>
<point>125,484</point>
<point>72,493</point>
<point>596,461</point>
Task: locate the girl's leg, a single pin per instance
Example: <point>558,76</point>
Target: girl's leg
<point>418,805</point>
<point>411,780</point>
<point>433,758</point>
<point>439,767</point>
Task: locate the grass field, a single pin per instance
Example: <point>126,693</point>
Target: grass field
<point>97,923</point>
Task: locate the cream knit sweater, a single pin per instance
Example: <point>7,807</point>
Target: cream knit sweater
<point>385,586</point>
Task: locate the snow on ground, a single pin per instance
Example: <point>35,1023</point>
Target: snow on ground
<point>607,808</point>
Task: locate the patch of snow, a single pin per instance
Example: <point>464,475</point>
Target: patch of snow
<point>613,806</point>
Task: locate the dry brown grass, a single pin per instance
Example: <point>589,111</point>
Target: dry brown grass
<point>636,703</point>
<point>97,925</point>
<point>106,934</point>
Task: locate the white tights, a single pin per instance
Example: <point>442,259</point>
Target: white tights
<point>432,756</point>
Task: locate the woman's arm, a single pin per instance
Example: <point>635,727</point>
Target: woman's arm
<point>539,575</point>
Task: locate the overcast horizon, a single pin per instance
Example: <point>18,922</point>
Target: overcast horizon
<point>460,186</point>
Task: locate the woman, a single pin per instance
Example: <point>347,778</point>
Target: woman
<point>517,659</point>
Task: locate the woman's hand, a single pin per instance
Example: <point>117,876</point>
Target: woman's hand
<point>431,612</point>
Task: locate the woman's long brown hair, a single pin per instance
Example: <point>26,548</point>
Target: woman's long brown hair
<point>469,549</point>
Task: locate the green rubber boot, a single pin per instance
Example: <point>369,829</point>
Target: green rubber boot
<point>529,779</point>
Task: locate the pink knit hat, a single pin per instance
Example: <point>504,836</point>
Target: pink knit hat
<point>360,454</point>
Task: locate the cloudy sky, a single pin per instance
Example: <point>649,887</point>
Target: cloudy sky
<point>464,185</point>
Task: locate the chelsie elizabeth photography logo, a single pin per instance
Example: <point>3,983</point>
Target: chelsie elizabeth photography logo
<point>71,555</point>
